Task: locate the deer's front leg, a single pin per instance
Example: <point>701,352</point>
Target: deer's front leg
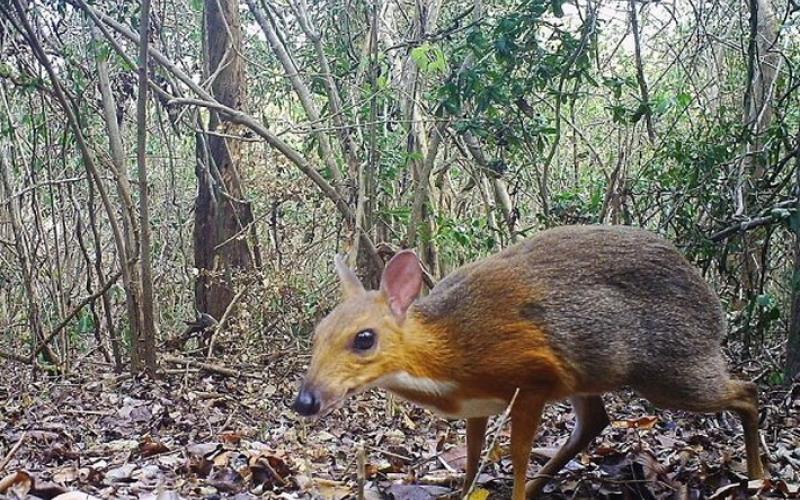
<point>476,433</point>
<point>525,416</point>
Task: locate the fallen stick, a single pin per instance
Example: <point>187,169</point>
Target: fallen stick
<point>216,328</point>
<point>221,370</point>
<point>13,451</point>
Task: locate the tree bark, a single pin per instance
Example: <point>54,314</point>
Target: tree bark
<point>143,352</point>
<point>792,368</point>
<point>222,217</point>
<point>762,65</point>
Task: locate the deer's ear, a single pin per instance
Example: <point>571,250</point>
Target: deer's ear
<point>351,285</point>
<point>401,282</point>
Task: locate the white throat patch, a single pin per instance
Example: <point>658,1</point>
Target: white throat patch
<point>466,408</point>
<point>404,381</point>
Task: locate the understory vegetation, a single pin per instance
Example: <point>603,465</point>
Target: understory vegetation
<point>176,177</point>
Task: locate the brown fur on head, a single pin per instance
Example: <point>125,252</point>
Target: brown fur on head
<point>363,338</point>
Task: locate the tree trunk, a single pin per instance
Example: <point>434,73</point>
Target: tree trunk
<point>222,218</point>
<point>792,368</point>
<point>128,242</point>
<point>143,352</point>
<point>421,224</point>
<point>762,64</point>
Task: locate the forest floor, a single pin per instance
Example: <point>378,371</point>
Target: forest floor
<point>199,434</point>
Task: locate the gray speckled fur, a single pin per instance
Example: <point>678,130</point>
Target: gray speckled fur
<point>620,303</point>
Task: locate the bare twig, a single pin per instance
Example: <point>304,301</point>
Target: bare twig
<point>209,367</point>
<point>216,328</point>
<point>747,225</point>
<point>13,451</point>
<point>144,345</point>
<point>300,88</point>
<point>50,336</point>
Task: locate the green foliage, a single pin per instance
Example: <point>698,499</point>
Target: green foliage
<point>464,239</point>
<point>428,58</point>
<point>547,88</point>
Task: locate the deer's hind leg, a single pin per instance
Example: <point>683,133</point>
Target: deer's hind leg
<point>712,394</point>
<point>743,399</point>
<point>590,420</point>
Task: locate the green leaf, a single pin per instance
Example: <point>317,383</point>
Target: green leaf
<point>765,300</point>
<point>429,59</point>
<point>775,377</point>
<point>420,55</point>
<point>557,6</point>
<point>639,113</point>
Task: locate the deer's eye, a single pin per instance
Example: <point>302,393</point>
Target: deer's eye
<point>364,340</point>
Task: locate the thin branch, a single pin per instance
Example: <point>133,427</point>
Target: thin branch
<point>209,367</point>
<point>218,326</point>
<point>749,224</point>
<point>206,100</point>
<point>300,88</point>
<point>637,52</point>
<point>13,451</point>
<point>50,336</point>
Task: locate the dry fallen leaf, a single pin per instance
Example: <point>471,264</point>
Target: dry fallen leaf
<point>647,422</point>
<point>75,495</point>
<point>226,480</point>
<point>456,457</point>
<point>121,473</point>
<point>724,491</point>
<point>546,453</point>
<point>416,492</point>
<point>149,447</point>
<point>203,449</point>
<point>230,437</point>
<point>497,453</point>
<point>20,483</point>
<point>66,474</point>
<point>269,471</point>
<point>331,490</point>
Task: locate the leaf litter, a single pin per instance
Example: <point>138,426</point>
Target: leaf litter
<point>195,434</point>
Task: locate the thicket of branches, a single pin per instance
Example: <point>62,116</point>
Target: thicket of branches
<point>270,135</point>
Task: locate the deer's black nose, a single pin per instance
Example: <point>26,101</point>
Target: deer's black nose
<point>307,403</point>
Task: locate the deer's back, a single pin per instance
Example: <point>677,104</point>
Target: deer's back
<point>618,304</point>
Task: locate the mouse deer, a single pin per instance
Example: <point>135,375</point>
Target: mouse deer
<point>573,312</point>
